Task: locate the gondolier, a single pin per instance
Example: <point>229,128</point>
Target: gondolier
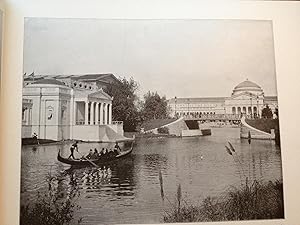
<point>72,148</point>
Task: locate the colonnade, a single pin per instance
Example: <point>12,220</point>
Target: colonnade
<point>248,110</point>
<point>97,113</point>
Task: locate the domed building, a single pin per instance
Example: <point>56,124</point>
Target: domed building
<point>248,86</point>
<point>247,98</point>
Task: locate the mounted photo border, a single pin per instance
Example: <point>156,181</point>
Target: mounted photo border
<point>284,15</point>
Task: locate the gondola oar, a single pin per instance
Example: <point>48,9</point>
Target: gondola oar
<point>94,164</point>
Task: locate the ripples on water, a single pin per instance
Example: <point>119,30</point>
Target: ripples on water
<point>129,191</point>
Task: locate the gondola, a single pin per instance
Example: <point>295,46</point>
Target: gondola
<point>101,161</point>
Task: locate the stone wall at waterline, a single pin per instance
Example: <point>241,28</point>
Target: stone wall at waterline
<point>176,127</point>
<point>255,133</point>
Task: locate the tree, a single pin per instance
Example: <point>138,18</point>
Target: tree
<point>154,107</point>
<point>124,102</point>
<point>276,112</point>
<point>163,130</point>
<point>267,112</point>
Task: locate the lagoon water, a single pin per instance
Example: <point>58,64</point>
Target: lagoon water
<point>129,192</point>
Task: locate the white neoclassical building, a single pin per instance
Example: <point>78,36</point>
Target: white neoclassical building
<point>247,98</point>
<point>58,110</point>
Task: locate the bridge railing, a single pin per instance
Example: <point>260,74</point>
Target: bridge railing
<point>215,116</point>
<point>117,122</point>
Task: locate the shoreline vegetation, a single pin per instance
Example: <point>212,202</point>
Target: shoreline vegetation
<point>266,124</point>
<point>251,201</point>
<point>53,206</point>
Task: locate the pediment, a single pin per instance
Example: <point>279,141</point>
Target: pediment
<point>100,94</point>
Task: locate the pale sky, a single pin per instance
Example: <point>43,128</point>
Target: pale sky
<point>183,58</point>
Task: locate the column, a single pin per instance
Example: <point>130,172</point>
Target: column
<point>29,117</point>
<point>105,113</point>
<point>86,113</point>
<point>73,110</point>
<point>26,116</point>
<point>110,114</point>
<point>92,114</point>
<point>97,113</point>
<point>101,113</point>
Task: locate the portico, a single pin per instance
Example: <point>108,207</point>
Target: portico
<point>244,103</point>
<point>94,108</point>
<point>92,112</point>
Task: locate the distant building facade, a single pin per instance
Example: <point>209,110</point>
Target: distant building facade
<point>247,98</point>
<point>68,107</point>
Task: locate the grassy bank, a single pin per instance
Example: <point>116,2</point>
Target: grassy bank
<point>156,123</point>
<point>251,201</point>
<point>264,124</point>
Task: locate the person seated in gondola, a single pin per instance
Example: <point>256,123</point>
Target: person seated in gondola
<point>101,152</point>
<point>90,155</point>
<point>109,153</point>
<point>117,148</point>
<point>104,153</point>
<point>116,152</point>
<point>95,154</point>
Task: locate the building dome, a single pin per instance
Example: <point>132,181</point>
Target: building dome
<point>247,86</point>
<point>49,81</point>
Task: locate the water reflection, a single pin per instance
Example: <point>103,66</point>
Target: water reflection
<point>128,191</point>
<point>113,180</point>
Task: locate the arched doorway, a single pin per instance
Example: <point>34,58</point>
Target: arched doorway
<point>249,111</point>
<point>255,111</point>
<point>233,110</point>
<point>244,110</point>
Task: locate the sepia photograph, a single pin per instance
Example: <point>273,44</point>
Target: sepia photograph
<point>149,121</point>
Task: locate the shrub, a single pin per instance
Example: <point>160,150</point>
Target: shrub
<point>51,208</point>
<point>251,201</point>
<point>163,130</point>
